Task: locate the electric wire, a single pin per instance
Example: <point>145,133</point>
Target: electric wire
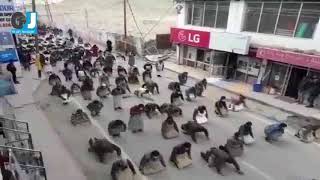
<point>135,21</point>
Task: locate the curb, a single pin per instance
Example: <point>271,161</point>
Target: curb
<point>250,98</point>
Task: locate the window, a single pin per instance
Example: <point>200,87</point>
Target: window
<point>198,14</point>
<point>269,17</point>
<point>293,19</point>
<point>252,17</point>
<point>309,18</point>
<point>210,14</point>
<point>189,13</point>
<point>288,18</point>
<point>223,13</point>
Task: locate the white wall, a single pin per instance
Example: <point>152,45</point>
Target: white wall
<point>235,23</point>
<point>236,16</point>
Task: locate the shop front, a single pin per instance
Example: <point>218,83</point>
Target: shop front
<point>193,47</point>
<point>215,52</point>
<point>286,69</point>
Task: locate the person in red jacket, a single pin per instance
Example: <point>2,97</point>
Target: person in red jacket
<point>94,50</point>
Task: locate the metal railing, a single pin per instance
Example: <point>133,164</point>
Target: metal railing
<point>14,138</point>
<point>14,124</point>
<point>26,157</point>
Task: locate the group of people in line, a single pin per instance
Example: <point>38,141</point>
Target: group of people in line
<point>79,60</point>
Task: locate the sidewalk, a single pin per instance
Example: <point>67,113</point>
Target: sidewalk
<point>246,90</point>
<point>58,161</point>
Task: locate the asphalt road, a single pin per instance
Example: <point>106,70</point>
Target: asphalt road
<point>288,159</point>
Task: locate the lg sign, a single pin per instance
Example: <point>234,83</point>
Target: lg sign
<point>190,37</point>
<point>182,36</point>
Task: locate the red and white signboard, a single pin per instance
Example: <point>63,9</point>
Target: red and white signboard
<point>289,57</point>
<point>190,37</point>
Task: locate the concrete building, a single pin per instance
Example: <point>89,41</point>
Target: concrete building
<point>272,43</point>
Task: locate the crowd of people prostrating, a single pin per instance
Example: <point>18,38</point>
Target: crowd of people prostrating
<point>88,62</point>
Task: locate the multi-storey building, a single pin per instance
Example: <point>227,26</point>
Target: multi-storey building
<point>274,43</point>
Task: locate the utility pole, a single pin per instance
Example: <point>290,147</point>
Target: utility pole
<point>36,44</point>
<point>125,25</point>
<point>86,16</point>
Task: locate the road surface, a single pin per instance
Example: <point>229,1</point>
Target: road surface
<point>288,159</point>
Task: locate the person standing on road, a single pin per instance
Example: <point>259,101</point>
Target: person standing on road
<point>131,60</point>
<point>12,69</point>
<point>159,67</point>
<point>39,65</point>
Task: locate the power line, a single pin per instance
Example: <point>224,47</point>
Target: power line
<point>135,21</point>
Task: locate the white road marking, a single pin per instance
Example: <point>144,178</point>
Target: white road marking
<point>266,177</point>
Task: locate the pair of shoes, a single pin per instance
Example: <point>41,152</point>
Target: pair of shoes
<point>310,106</point>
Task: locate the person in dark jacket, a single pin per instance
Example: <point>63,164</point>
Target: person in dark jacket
<point>193,128</point>
<point>148,67</point>
<point>304,85</point>
<point>122,169</point>
<point>169,128</point>
<point>12,69</point>
<point>218,157</point>
<point>152,162</point>
<point>245,133</point>
<point>109,46</point>
<point>176,98</point>
<point>181,155</point>
<point>67,73</point>
<point>314,93</point>
<point>221,108</point>
<point>235,146</point>
<point>147,75</point>
<point>183,77</point>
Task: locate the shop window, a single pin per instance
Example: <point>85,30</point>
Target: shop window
<point>252,17</point>
<point>293,19</point>
<point>222,16</point>
<point>269,17</point>
<point>210,14</point>
<point>189,13</point>
<point>288,18</point>
<point>198,14</point>
<point>275,76</point>
<point>309,18</point>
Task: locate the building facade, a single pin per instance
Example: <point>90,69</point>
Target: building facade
<point>273,43</point>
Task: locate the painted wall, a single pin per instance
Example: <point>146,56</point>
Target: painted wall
<point>235,23</point>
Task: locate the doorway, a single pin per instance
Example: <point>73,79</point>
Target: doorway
<point>200,55</point>
<point>295,78</point>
